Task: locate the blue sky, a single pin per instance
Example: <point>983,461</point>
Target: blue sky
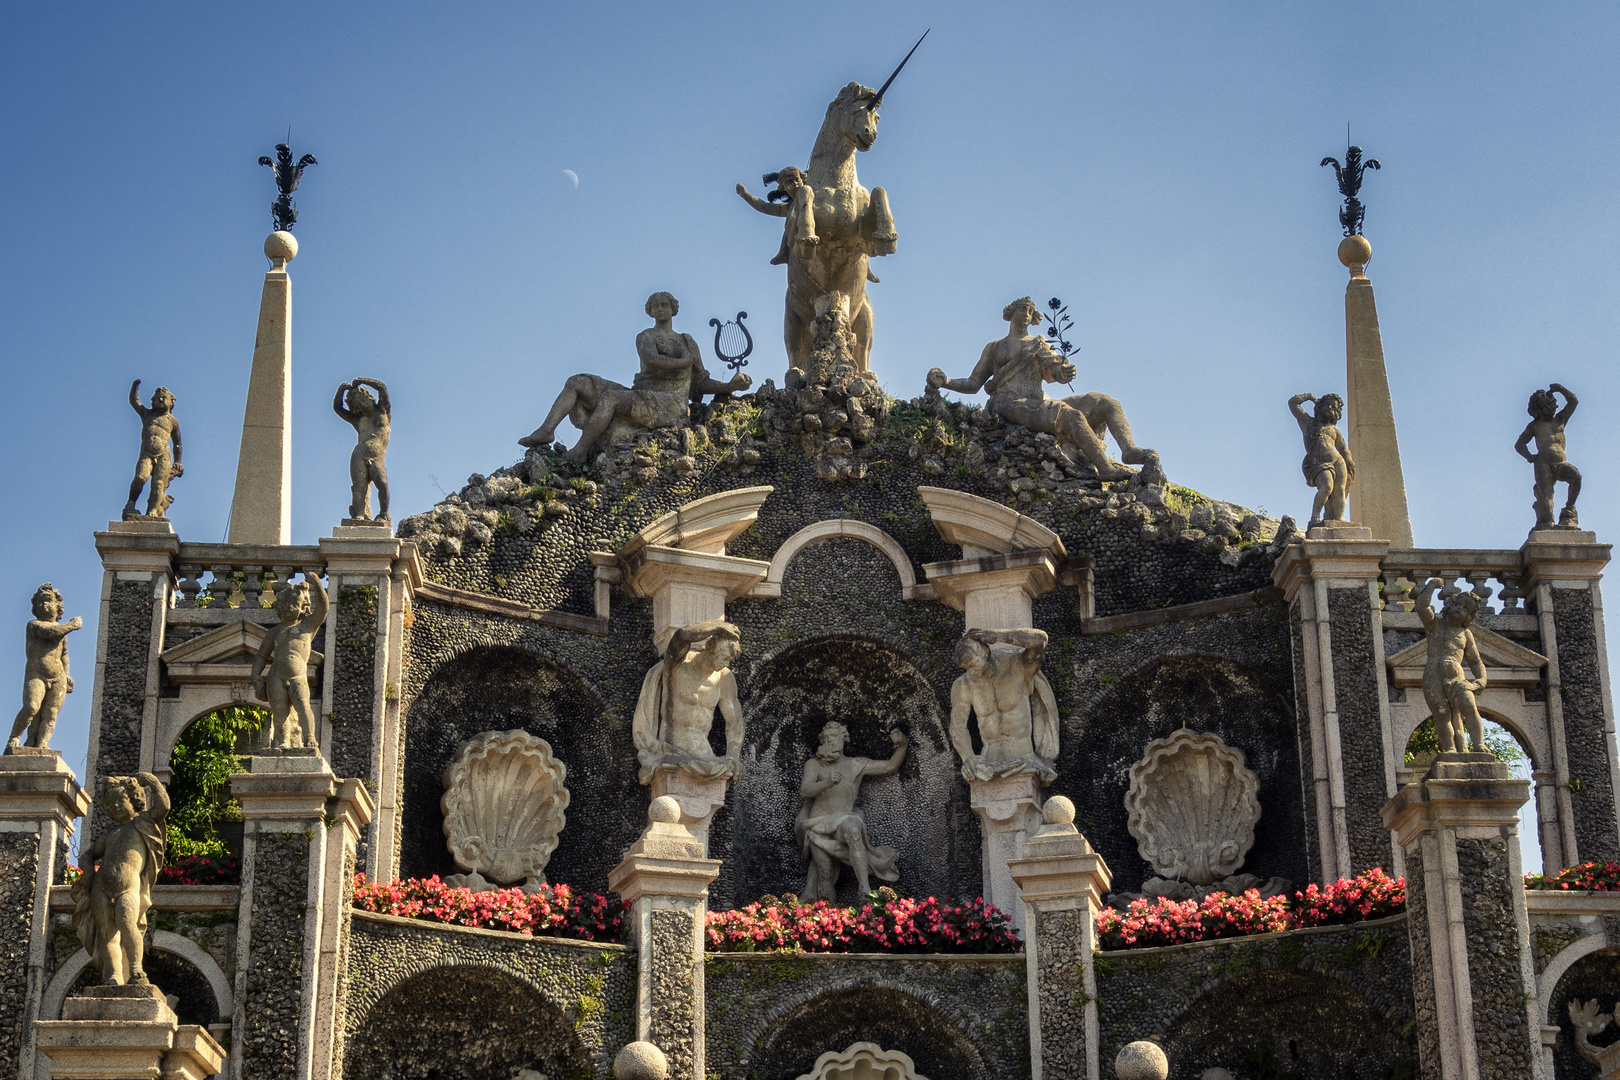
<point>1153,164</point>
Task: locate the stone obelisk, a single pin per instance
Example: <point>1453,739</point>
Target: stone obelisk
<point>261,510</point>
<point>1378,496</point>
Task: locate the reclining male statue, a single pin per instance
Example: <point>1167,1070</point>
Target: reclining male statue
<point>672,374</point>
<point>1012,369</point>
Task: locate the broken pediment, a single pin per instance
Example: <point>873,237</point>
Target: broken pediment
<point>222,655</point>
<point>1507,663</point>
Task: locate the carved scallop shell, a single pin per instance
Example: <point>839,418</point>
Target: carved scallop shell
<point>1193,805</point>
<point>864,1061</point>
<point>503,807</point>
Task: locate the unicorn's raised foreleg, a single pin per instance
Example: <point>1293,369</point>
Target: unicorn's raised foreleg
<point>861,326</point>
<point>880,222</point>
<point>796,336</point>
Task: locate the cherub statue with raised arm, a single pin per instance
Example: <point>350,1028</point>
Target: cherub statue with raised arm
<point>45,680</point>
<point>1546,427</point>
<point>158,427</point>
<point>1327,465</point>
<point>281,667</point>
<point>370,418</point>
<point>1447,688</point>
<point>114,890</point>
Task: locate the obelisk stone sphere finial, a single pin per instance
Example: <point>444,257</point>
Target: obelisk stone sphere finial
<point>640,1061</point>
<point>1059,810</point>
<point>664,810</point>
<point>280,247</point>
<point>1141,1060</point>
<point>1354,252</point>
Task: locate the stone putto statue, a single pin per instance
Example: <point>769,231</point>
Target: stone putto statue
<point>1546,427</point>
<point>114,890</point>
<point>45,678</point>
<point>672,375</point>
<point>678,698</point>
<point>1017,711</point>
<point>370,417</point>
<point>158,427</point>
<point>829,829</point>
<point>1012,370</point>
<point>281,667</point>
<point>1447,690</point>
<point>1327,463</point>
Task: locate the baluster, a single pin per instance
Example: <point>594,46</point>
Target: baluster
<point>1479,580</point>
<point>281,578</point>
<point>252,586</point>
<point>221,588</point>
<point>1512,591</point>
<point>190,585</point>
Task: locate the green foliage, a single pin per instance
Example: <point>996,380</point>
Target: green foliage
<point>1180,499</point>
<point>200,790</point>
<point>1498,740</point>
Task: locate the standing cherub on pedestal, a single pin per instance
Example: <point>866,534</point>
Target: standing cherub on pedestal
<point>370,418</point>
<point>1546,427</point>
<point>1327,465</point>
<point>158,427</point>
<point>1447,689</point>
<point>114,890</point>
<point>45,679</point>
<point>281,668</point>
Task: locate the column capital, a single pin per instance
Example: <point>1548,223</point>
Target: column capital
<point>373,550</point>
<point>1318,559</point>
<point>1472,793</point>
<point>138,546</point>
<point>35,785</point>
<point>287,786</point>
<point>1019,575</point>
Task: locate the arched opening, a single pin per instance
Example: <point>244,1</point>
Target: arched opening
<point>894,1020</point>
<point>1594,976</point>
<point>1510,749</point>
<point>203,817</point>
<point>1288,1023</point>
<point>1207,694</point>
<point>502,689</point>
<point>872,689</point>
<point>462,1023</point>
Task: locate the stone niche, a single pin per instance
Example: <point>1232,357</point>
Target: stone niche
<point>503,809</point>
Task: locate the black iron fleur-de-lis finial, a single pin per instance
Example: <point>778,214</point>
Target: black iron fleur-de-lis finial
<point>284,210</point>
<point>1349,177</point>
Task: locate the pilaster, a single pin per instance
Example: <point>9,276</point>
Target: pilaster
<point>664,880</point>
<point>1062,883</point>
<point>1474,981</point>
<point>1009,810</point>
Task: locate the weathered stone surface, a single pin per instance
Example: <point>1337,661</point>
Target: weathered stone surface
<point>1141,1060</point>
<point>679,697</point>
<point>1579,667</point>
<point>830,830</point>
<point>128,632</point>
<point>674,995</point>
<point>1193,807</point>
<point>46,682</point>
<point>1016,711</point>
<point>862,1060</point>
<point>370,416</point>
<point>271,1002</point>
<point>113,892</point>
<point>19,862</point>
<point>158,428</point>
<point>281,667</point>
<point>1493,958</point>
<point>1328,466</point>
<point>1546,429</point>
<point>503,808</point>
<point>640,1061</point>
<point>1360,729</point>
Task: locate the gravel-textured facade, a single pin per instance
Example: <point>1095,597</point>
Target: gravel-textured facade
<point>117,730</point>
<point>353,691</point>
<point>1579,670</point>
<point>19,863</point>
<point>1060,972</point>
<point>1485,869</point>
<point>270,1004</point>
<point>1356,690</point>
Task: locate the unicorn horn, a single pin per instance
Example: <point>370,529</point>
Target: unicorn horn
<point>878,100</point>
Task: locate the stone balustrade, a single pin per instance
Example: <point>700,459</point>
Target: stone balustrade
<point>1403,571</point>
<point>239,575</point>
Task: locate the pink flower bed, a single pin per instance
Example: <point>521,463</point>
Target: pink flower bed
<point>893,924</point>
<point>555,910</point>
<point>1151,922</point>
<point>1589,876</point>
<point>202,870</point>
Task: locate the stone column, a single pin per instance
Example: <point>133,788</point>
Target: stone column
<point>1330,581</point>
<point>1474,983</point>
<point>300,823</point>
<point>39,802</point>
<point>261,509</point>
<point>1009,809</point>
<point>137,585</point>
<point>1063,882</point>
<point>371,577</point>
<point>125,1033</point>
<point>664,880</point>
<point>1562,568</point>
<point>1378,496</point>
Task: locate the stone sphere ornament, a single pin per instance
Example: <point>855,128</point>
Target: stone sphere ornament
<point>640,1061</point>
<point>280,246</point>
<point>1059,810</point>
<point>1141,1060</point>
<point>664,810</point>
<point>1354,251</point>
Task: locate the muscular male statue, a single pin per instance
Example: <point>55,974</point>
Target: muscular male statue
<point>1012,370</point>
<point>829,829</point>
<point>1327,465</point>
<point>158,427</point>
<point>45,678</point>
<point>281,668</point>
<point>371,418</point>
<point>672,375</point>
<point>1017,711</point>
<point>1447,689</point>
<point>114,890</point>
<point>678,698</point>
<point>1546,427</point>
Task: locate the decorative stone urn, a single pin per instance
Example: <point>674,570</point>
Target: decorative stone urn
<point>503,809</point>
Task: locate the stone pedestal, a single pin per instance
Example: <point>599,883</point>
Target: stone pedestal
<point>1062,882</point>
<point>664,879</point>
<point>1347,748</point>
<point>39,802</point>
<point>125,1033</point>
<point>698,798</point>
<point>300,827</point>
<point>1009,809</point>
<point>1474,982</point>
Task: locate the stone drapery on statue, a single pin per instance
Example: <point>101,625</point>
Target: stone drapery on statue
<point>1327,466</point>
<point>1546,427</point>
<point>46,681</point>
<point>1012,371</point>
<point>281,667</point>
<point>158,429</point>
<point>836,226</point>
<point>113,893</point>
<point>1452,655</point>
<point>679,696</point>
<point>672,376</point>
<point>371,418</point>
<point>829,829</point>
<point>1017,711</point>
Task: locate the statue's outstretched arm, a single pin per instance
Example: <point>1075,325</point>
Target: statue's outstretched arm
<point>961,708</point>
<point>891,766</point>
<point>337,402</point>
<point>982,371</point>
<point>1425,613</point>
<point>135,399</point>
<point>157,798</point>
<point>762,205</point>
<point>1295,404</point>
<point>318,602</point>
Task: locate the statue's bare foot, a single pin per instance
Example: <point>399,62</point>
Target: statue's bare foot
<point>13,746</point>
<point>1111,471</point>
<point>539,439</point>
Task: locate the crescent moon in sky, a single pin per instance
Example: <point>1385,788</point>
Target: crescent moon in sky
<point>572,175</point>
